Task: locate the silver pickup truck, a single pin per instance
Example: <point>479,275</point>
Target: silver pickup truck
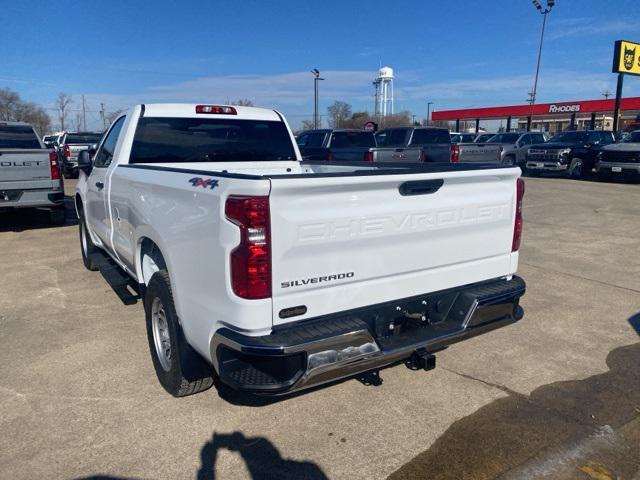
<point>29,172</point>
<point>514,145</point>
<point>429,144</point>
<point>70,145</point>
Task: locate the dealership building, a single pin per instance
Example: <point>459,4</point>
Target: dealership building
<point>550,117</point>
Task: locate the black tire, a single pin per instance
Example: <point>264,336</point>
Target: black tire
<point>182,371</point>
<point>87,247</point>
<point>58,215</point>
<point>577,169</point>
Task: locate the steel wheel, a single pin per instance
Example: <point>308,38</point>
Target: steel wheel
<point>161,338</point>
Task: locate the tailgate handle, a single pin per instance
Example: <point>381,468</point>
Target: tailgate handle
<point>420,187</point>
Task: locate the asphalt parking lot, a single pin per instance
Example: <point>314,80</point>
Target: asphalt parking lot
<point>555,396</point>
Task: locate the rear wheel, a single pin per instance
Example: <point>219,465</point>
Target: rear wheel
<point>577,169</point>
<point>87,247</point>
<point>180,370</point>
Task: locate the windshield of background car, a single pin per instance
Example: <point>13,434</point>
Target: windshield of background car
<point>569,137</point>
<point>633,137</point>
<point>167,140</point>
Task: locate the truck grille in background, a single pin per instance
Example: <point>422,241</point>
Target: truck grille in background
<point>551,155</point>
<point>620,157</point>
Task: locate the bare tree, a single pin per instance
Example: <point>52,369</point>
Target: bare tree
<point>62,104</point>
<point>243,102</point>
<point>338,112</point>
<point>111,116</point>
<point>14,109</point>
<point>306,125</point>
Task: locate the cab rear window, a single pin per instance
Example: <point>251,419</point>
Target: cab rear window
<point>430,137</point>
<point>18,136</point>
<point>353,140</point>
<point>169,140</point>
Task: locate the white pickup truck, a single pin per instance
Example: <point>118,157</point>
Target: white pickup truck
<point>275,274</point>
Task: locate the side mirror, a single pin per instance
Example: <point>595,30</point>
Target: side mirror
<point>85,162</point>
<point>92,150</point>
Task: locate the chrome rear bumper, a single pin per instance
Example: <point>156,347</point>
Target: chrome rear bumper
<point>325,349</point>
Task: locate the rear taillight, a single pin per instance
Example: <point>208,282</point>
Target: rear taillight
<point>423,156</point>
<point>368,156</point>
<point>67,152</point>
<point>517,226</point>
<point>251,259</point>
<point>330,156</point>
<point>455,153</point>
<point>53,164</point>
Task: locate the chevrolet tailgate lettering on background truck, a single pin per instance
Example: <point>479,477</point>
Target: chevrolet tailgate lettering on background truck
<point>277,274</point>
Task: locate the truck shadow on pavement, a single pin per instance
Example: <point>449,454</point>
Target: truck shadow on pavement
<point>19,220</point>
<point>262,458</point>
<point>567,429</point>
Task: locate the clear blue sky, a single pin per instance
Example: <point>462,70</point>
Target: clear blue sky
<point>453,53</point>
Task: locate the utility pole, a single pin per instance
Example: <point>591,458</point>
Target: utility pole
<point>84,115</point>
<point>616,112</point>
<point>316,79</point>
<point>104,121</point>
<point>544,12</point>
<point>606,94</point>
<point>429,113</point>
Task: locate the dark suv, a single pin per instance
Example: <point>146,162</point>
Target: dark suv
<point>572,152</point>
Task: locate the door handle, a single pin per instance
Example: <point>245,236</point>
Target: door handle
<point>100,185</point>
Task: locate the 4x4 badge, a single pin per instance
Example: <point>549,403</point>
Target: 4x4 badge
<point>210,183</point>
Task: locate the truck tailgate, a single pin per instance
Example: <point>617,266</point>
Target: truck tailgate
<point>345,242</point>
<point>479,153</point>
<point>25,166</point>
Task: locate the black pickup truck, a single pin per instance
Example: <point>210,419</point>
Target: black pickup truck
<point>572,152</point>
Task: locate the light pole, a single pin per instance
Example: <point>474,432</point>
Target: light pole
<point>316,79</point>
<point>429,112</point>
<point>544,12</point>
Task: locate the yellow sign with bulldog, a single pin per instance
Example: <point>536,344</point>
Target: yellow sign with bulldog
<point>626,57</point>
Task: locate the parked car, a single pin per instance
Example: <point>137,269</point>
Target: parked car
<point>428,144</point>
<point>483,137</point>
<point>337,144</point>
<point>70,144</point>
<point>622,158</point>
<point>571,152</point>
<point>462,137</point>
<point>29,172</point>
<point>281,274</point>
<point>514,145</point>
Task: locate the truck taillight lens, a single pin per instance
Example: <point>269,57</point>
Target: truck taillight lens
<point>423,156</point>
<point>67,152</point>
<point>517,227</point>
<point>53,164</point>
<point>455,153</point>
<point>216,109</point>
<point>368,156</point>
<point>330,156</point>
<point>251,260</point>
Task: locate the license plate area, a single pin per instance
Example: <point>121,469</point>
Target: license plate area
<point>616,169</point>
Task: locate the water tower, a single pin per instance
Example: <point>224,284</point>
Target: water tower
<point>384,92</point>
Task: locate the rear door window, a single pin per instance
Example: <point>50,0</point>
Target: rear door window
<point>19,137</point>
<point>423,136</point>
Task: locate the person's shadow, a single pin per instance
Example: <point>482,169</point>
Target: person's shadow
<point>262,458</point>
